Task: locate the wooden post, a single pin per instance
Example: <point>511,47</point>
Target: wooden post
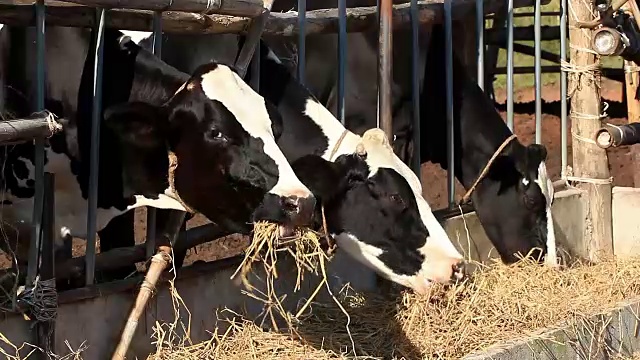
<point>631,83</point>
<point>590,162</point>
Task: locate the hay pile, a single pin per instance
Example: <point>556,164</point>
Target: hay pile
<point>306,249</point>
<point>498,303</point>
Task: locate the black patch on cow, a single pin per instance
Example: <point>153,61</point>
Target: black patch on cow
<point>301,134</point>
<point>380,211</point>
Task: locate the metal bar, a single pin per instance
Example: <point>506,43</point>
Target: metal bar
<point>563,86</point>
<point>46,329</point>
<point>151,211</point>
<point>94,155</point>
<point>448,54</point>
<point>415,89</point>
<point>342,56</point>
<point>510,64</point>
<point>480,41</point>
<point>538,77</point>
<point>255,70</point>
<point>36,228</point>
<point>252,39</point>
<point>385,57</point>
<point>302,51</point>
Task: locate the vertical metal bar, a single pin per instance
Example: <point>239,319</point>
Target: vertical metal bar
<point>415,88</point>
<point>448,33</point>
<point>480,41</point>
<point>385,55</point>
<point>95,149</point>
<point>46,330</point>
<point>36,229</point>
<point>563,85</point>
<point>151,212</point>
<point>342,56</point>
<point>255,69</point>
<point>537,67</point>
<point>302,51</point>
<point>510,64</point>
<point>378,66</point>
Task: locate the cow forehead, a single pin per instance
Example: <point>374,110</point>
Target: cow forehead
<point>246,105</point>
<point>381,156</point>
<point>250,110</point>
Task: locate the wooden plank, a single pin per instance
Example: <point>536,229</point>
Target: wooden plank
<point>324,21</point>
<point>590,162</point>
<point>249,8</point>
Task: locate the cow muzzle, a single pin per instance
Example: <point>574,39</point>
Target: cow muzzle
<point>298,209</point>
<point>444,271</point>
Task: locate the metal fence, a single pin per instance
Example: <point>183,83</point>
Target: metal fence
<point>260,13</point>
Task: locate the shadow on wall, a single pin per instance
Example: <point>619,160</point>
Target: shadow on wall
<point>617,109</point>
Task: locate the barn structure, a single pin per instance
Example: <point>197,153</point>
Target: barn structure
<point>591,215</point>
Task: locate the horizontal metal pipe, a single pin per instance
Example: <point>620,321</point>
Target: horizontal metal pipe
<point>618,135</point>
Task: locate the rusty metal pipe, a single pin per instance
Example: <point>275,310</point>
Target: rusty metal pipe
<point>385,57</point>
<point>614,135</point>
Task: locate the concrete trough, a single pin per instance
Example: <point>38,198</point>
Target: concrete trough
<point>600,337</point>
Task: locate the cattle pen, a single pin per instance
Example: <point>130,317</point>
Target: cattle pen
<point>595,215</point>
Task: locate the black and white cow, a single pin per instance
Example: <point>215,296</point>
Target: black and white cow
<point>513,200</point>
<point>529,224</point>
<point>373,202</point>
<point>207,144</point>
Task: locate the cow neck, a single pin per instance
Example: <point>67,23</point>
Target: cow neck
<point>484,171</point>
<point>173,164</point>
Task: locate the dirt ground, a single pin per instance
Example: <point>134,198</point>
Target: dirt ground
<point>435,192</point>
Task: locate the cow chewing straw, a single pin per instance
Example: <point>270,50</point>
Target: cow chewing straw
<point>305,247</point>
<point>497,303</point>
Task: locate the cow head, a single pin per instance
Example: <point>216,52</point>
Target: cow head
<point>375,211</point>
<point>514,204</point>
<point>220,135</point>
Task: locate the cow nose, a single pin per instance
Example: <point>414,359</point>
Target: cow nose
<point>299,209</point>
<point>460,271</point>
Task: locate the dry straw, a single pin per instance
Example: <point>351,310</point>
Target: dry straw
<point>497,303</point>
<point>306,249</point>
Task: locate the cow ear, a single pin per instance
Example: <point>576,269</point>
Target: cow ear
<point>319,175</point>
<point>137,123</point>
<point>536,154</point>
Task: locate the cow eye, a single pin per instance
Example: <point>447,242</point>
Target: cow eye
<point>217,135</point>
<point>396,198</point>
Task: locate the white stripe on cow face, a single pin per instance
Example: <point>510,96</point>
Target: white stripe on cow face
<point>249,108</point>
<point>546,186</point>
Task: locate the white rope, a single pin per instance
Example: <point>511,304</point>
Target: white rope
<point>54,126</point>
<point>567,175</point>
<point>631,68</point>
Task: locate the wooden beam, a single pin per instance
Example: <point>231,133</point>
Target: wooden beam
<point>632,85</point>
<point>324,21</point>
<point>248,8</point>
<point>590,162</point>
<point>38,125</point>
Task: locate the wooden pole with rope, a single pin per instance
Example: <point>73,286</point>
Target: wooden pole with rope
<point>590,162</point>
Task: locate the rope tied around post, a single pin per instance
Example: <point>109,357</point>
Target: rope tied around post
<point>41,299</point>
<point>485,170</point>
